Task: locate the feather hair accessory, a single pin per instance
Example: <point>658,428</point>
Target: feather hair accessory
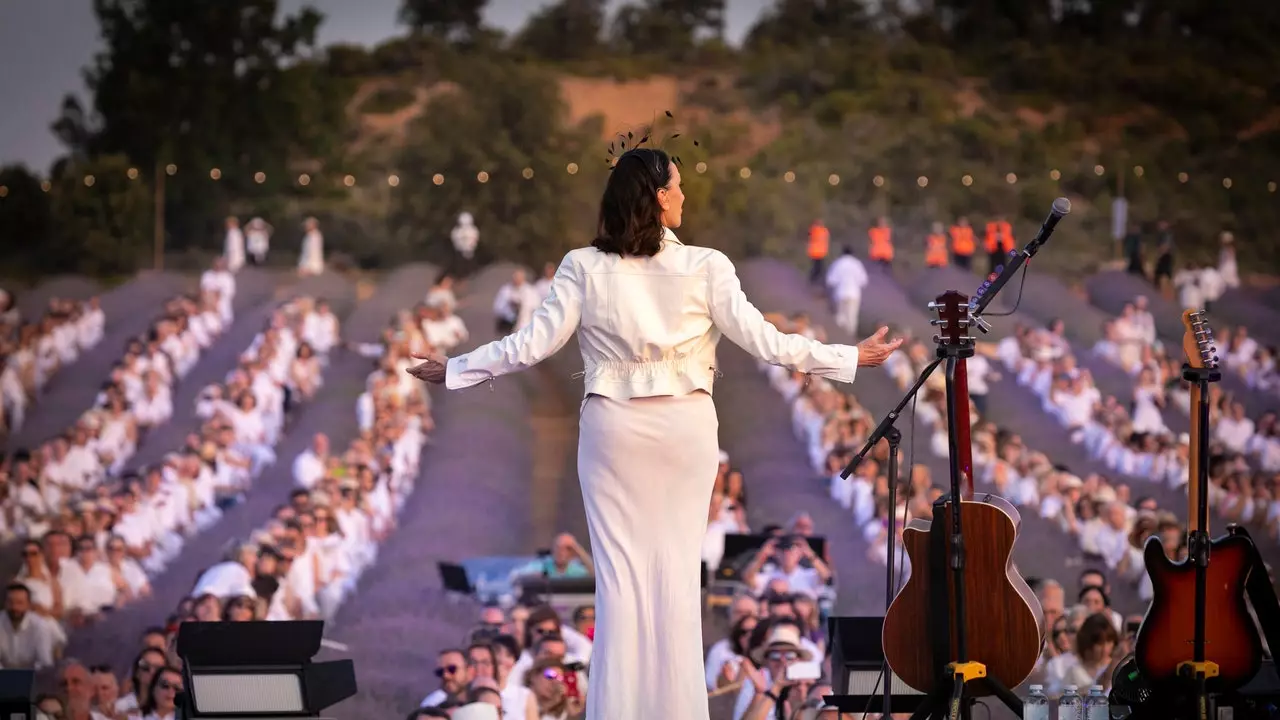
<point>625,141</point>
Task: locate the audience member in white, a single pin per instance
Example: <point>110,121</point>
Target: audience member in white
<point>441,329</point>
<point>155,407</point>
<point>780,560</point>
<point>43,588</point>
<point>311,465</point>
<point>106,691</point>
<point>568,559</point>
<point>846,279</point>
<point>514,304</point>
<point>543,283</point>
<point>781,649</point>
<point>725,656</point>
<point>28,640</point>
<point>1227,266</point>
<point>78,689</point>
<point>311,259</point>
<point>162,703</point>
<point>321,328</point>
<point>465,236</point>
<point>1089,662</point>
<point>232,577</point>
<point>88,585</point>
<point>220,282</point>
<point>258,239</point>
<point>441,294</point>
<point>454,674</point>
<point>233,246</point>
<point>125,567</point>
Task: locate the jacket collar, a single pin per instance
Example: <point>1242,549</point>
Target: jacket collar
<point>669,236</point>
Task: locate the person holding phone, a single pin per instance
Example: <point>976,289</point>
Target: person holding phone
<point>779,675</point>
<point>649,311</point>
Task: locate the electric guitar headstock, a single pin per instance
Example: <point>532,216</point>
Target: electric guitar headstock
<point>1197,340</point>
<point>953,339</point>
<point>953,321</point>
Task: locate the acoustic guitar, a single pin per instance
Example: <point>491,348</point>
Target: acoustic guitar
<point>1004,624</point>
<point>1166,638</point>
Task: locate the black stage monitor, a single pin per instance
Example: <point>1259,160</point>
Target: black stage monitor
<point>739,549</point>
<point>454,578</point>
<point>856,663</point>
<point>17,693</point>
<point>259,670</point>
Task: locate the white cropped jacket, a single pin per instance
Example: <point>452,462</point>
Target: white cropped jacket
<point>648,326</point>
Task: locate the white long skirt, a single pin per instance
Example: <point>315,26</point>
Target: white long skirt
<point>647,467</point>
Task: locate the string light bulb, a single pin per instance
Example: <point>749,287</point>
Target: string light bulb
<point>1054,174</point>
<point>967,180</point>
<point>4,191</point>
<point>437,179</point>
<point>922,181</point>
<point>1226,183</point>
<point>46,186</point>
<point>1098,170</point>
<point>89,180</point>
<point>1271,186</point>
<point>349,181</point>
<point>482,177</point>
<point>393,180</point>
<point>170,169</point>
<point>1138,171</point>
<point>527,173</point>
<point>132,173</point>
<point>304,179</point>
<point>789,176</point>
<point>1183,177</point>
<point>259,177</point>
<point>701,167</point>
<point>833,179</point>
<point>878,181</point>
<point>216,174</point>
<point>571,168</point>
<point>744,173</point>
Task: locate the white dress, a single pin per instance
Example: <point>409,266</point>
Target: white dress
<point>311,262</point>
<point>234,249</point>
<point>648,448</point>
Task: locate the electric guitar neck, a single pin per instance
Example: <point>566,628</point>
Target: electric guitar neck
<point>1198,346</point>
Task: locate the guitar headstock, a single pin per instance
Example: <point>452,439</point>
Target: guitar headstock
<point>1197,340</point>
<point>953,319</point>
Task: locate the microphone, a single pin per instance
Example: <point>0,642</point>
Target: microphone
<point>987,292</point>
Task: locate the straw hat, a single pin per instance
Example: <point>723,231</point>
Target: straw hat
<point>781,637</point>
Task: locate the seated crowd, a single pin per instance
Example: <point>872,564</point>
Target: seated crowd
<point>31,353</point>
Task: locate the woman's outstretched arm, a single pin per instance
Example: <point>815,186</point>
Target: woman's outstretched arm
<point>553,323</point>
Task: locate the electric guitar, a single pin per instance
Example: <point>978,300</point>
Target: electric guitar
<point>1003,620</point>
<point>1212,579</point>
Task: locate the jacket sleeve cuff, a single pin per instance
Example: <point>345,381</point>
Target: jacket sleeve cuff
<point>457,377</point>
<point>847,368</point>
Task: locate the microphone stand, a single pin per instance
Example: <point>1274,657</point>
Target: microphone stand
<point>888,431</point>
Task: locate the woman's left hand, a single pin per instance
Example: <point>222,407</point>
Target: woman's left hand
<point>433,368</point>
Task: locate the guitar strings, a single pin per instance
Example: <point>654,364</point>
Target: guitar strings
<point>900,548</point>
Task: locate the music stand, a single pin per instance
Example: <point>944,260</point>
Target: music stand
<point>454,578</point>
<point>857,659</point>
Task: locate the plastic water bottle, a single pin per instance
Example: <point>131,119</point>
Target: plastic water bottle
<point>1095,706</point>
<point>1071,705</point>
<point>1036,706</point>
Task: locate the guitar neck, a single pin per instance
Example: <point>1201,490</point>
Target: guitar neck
<point>961,430</point>
<point>1193,465</point>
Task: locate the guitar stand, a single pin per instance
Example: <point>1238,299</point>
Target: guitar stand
<point>1197,671</point>
<point>947,553</point>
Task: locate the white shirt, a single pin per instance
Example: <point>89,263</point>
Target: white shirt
<point>648,326</point>
<point>516,303</point>
<point>846,277</point>
<point>224,580</point>
<point>31,644</point>
<point>979,370</point>
<point>308,469</point>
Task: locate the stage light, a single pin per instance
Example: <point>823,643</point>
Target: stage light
<point>1011,178</point>
<point>789,176</point>
<point>833,179</point>
<point>527,173</point>
<point>1226,183</point>
<point>878,181</point>
<point>1183,177</point>
<point>132,173</point>
<point>260,669</point>
<point>349,181</point>
<point>967,180</point>
<point>1138,171</point>
<point>171,169</point>
<point>744,173</point>
<point>437,179</point>
<point>304,179</point>
<point>482,177</point>
<point>571,168</point>
<point>216,174</point>
<point>701,167</point>
<point>1054,174</point>
<point>393,180</point>
<point>1098,170</point>
<point>922,181</point>
<point>89,180</point>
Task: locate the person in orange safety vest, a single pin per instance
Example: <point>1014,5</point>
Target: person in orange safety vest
<point>999,242</point>
<point>935,250</point>
<point>819,246</point>
<point>881,242</point>
<point>962,244</point>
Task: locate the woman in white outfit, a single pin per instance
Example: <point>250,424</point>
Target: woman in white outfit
<point>233,249</point>
<point>649,311</point>
<point>311,261</point>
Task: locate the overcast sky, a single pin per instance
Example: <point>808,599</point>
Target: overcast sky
<point>44,45</point>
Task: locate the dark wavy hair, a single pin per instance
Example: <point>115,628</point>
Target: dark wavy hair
<point>630,217</point>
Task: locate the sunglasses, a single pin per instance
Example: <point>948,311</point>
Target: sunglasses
<point>778,655</point>
<point>446,670</point>
<point>551,674</point>
<point>545,630</point>
<point>166,685</point>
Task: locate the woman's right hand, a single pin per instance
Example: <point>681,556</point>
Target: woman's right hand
<point>433,369</point>
<point>873,351</point>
